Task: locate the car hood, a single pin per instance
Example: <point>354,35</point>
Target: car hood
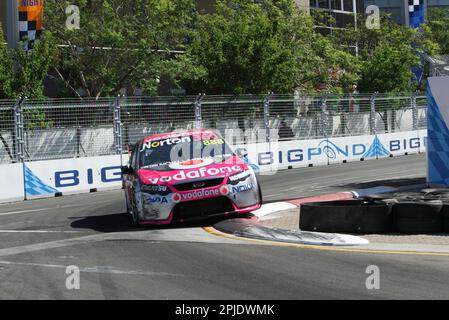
<point>190,170</point>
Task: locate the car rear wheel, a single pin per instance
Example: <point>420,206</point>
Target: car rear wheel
<point>135,217</point>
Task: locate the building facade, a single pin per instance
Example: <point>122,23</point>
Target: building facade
<point>398,9</point>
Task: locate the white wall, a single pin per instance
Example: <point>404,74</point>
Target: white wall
<point>11,182</point>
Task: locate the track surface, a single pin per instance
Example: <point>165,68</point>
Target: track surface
<point>38,239</point>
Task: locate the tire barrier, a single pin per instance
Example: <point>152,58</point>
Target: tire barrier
<point>352,216</point>
<point>446,218</point>
<point>418,217</point>
<point>377,214</point>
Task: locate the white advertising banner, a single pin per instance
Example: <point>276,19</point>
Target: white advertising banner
<point>400,143</point>
<point>347,149</point>
<point>47,178</point>
<point>11,182</point>
<point>423,137</point>
<point>265,157</point>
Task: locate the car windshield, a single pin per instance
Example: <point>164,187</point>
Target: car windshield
<point>157,155</point>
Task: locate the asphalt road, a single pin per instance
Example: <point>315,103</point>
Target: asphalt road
<point>39,239</point>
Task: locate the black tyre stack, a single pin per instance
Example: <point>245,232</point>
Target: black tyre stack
<point>425,212</point>
<point>353,216</point>
<point>418,217</point>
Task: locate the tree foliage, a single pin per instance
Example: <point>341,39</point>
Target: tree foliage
<point>438,23</point>
<point>5,69</point>
<point>22,73</point>
<point>243,47</point>
<point>121,44</point>
<point>387,55</point>
<point>254,47</point>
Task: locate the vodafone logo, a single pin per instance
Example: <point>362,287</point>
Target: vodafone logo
<point>176,198</point>
<point>191,164</point>
<point>194,174</point>
<point>201,194</point>
<point>224,190</point>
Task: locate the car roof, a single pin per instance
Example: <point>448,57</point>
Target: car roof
<point>174,134</point>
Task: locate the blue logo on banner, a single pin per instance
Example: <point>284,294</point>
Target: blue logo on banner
<point>252,165</point>
<point>34,186</point>
<point>377,149</point>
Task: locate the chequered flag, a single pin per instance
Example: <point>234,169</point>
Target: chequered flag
<point>30,21</point>
<point>416,12</point>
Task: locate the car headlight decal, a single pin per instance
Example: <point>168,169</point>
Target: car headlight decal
<point>239,177</point>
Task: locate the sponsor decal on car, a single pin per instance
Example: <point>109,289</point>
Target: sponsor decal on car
<point>213,142</point>
<point>200,194</point>
<point>240,177</point>
<point>191,164</point>
<point>166,142</point>
<point>194,174</point>
<point>154,188</point>
<point>194,133</point>
<point>151,199</point>
<point>243,188</point>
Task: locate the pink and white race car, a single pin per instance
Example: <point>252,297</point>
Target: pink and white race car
<point>185,176</point>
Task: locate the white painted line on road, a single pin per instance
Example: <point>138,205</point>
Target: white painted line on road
<point>51,245</point>
<point>79,205</point>
<point>37,231</point>
<point>96,269</point>
<point>23,211</point>
<point>196,235</point>
<point>270,208</point>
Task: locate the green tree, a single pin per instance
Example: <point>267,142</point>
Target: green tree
<point>31,67</point>
<point>122,44</point>
<point>249,47</point>
<point>22,73</point>
<point>438,23</point>
<point>5,69</point>
<point>387,55</point>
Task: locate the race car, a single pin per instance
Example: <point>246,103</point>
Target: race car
<point>182,176</point>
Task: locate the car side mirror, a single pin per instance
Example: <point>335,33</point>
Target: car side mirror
<point>127,170</point>
<point>130,148</point>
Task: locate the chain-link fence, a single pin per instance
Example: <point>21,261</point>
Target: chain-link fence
<point>32,130</point>
<point>8,152</point>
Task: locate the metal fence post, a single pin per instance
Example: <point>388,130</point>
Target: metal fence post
<point>414,111</point>
<point>372,117</point>
<point>266,116</point>
<point>18,131</point>
<point>117,127</point>
<point>198,118</point>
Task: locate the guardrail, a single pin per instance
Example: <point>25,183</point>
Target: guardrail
<point>33,130</point>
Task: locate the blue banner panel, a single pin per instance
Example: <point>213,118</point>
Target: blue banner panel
<point>438,131</point>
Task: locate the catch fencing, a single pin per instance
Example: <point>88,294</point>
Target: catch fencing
<point>33,130</point>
